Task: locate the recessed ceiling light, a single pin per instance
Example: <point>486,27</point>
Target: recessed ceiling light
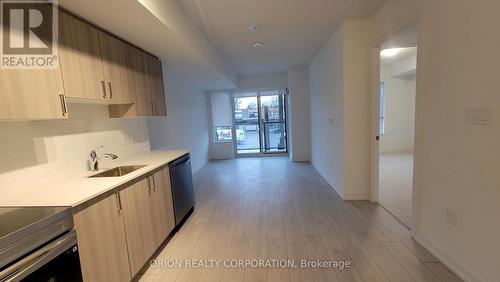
<point>390,52</point>
<point>257,44</point>
<point>254,27</point>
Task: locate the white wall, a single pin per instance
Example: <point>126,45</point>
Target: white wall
<point>326,90</point>
<point>456,163</point>
<point>357,108</point>
<point>298,106</point>
<point>458,69</point>
<point>53,149</point>
<point>340,87</point>
<point>399,112</point>
<point>261,81</point>
<point>186,124</point>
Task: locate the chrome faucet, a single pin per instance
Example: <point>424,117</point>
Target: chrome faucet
<point>94,158</point>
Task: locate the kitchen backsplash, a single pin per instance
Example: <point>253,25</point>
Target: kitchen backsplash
<point>56,147</point>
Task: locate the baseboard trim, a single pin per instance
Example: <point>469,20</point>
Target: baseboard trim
<point>201,166</point>
<point>355,197</point>
<point>450,262</point>
<point>335,187</point>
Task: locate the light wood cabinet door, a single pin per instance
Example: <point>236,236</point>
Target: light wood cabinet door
<point>116,68</point>
<point>101,241</point>
<point>140,83</point>
<point>157,89</point>
<point>138,217</point>
<point>80,59</point>
<point>163,205</point>
<point>31,95</point>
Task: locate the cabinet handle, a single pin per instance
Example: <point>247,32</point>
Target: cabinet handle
<point>110,90</point>
<point>103,84</point>
<point>149,184</point>
<point>63,104</point>
<point>153,108</point>
<point>154,183</point>
<point>119,201</point>
<point>156,110</point>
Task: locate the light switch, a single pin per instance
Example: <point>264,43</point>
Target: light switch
<point>479,116</point>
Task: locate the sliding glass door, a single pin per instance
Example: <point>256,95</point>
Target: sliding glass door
<point>246,123</point>
<point>260,122</point>
<point>273,124</point>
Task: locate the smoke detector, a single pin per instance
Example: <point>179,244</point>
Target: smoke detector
<point>254,27</point>
<point>258,44</point>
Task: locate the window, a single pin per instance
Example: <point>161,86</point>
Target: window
<point>221,117</point>
<point>223,134</point>
<point>382,108</point>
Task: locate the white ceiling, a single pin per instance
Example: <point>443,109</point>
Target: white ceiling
<point>403,54</point>
<point>292,30</point>
<point>406,39</point>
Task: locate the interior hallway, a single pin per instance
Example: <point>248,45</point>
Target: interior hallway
<point>395,185</point>
<point>264,208</point>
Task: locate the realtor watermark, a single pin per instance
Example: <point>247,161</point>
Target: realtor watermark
<point>250,263</point>
<point>29,34</point>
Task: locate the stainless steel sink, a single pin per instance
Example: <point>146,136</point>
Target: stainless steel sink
<point>118,171</point>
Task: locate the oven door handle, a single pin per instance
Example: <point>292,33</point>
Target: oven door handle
<point>34,261</point>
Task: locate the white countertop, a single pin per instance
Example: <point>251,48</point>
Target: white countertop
<point>72,191</point>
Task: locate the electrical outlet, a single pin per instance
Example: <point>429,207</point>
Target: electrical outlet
<point>451,217</point>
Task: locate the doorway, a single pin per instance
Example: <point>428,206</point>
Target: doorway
<point>260,123</point>
<point>396,117</point>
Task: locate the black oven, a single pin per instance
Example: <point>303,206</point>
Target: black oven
<point>38,244</point>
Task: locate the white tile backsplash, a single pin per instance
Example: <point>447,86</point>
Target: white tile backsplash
<point>58,148</point>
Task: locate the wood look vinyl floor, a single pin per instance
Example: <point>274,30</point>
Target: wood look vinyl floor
<point>395,185</point>
<point>271,208</point>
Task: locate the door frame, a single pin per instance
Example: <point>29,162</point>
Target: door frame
<point>375,140</point>
<point>375,127</point>
<point>259,124</point>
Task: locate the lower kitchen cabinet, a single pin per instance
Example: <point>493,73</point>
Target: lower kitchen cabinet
<point>101,241</point>
<point>139,223</point>
<point>163,205</point>
<point>117,235</point>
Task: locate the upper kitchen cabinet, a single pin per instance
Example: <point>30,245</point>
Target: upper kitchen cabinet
<point>140,83</point>
<point>80,59</point>
<point>31,95</point>
<point>157,88</point>
<point>139,87</point>
<point>116,68</point>
<point>93,66</point>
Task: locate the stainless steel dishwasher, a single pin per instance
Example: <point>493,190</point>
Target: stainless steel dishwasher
<point>181,180</point>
